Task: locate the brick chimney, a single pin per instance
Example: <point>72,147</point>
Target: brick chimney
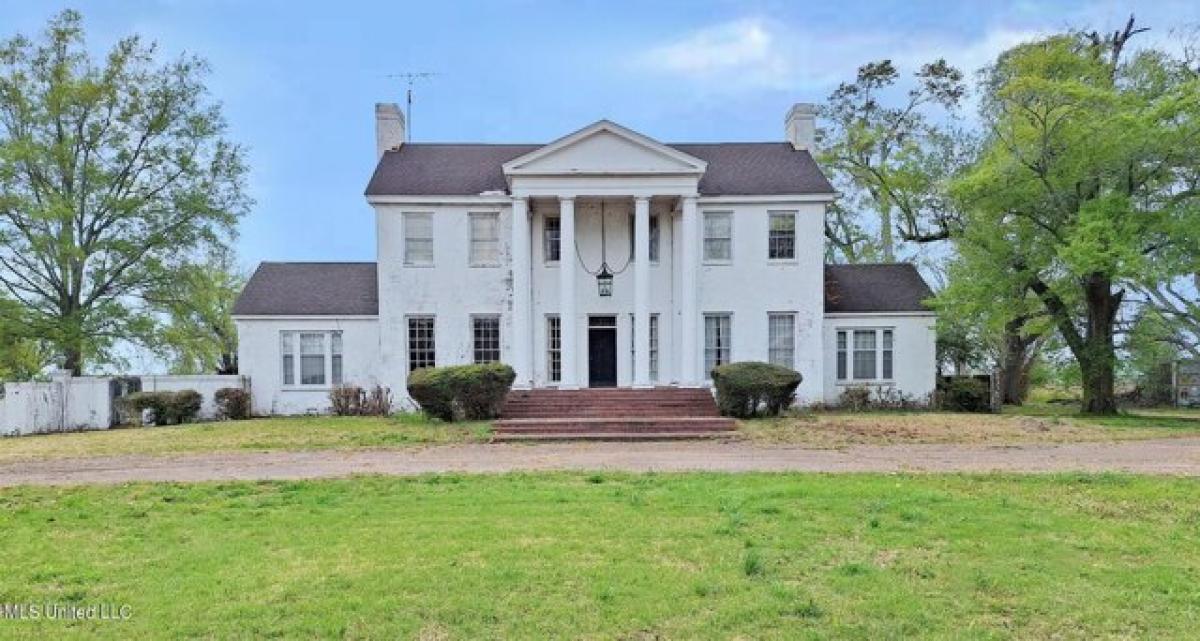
<point>389,127</point>
<point>801,126</point>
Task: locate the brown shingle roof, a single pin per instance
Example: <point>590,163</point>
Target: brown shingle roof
<point>890,287</point>
<point>735,168</point>
<point>310,289</point>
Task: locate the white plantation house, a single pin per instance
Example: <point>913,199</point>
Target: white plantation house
<point>604,258</point>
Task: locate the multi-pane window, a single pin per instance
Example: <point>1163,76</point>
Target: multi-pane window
<point>485,331</point>
<point>865,354</point>
<point>654,236</point>
<point>781,238</point>
<point>551,236</point>
<point>718,341</point>
<point>553,349</point>
<point>485,239</point>
<point>422,351</point>
<point>781,339</point>
<point>312,358</point>
<point>418,238</point>
<point>654,347</point>
<point>718,236</point>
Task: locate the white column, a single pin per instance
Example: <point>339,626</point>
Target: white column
<point>522,339</point>
<point>641,291</point>
<point>689,345</point>
<point>566,293</point>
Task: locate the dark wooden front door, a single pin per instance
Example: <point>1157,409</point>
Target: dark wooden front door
<point>602,351</point>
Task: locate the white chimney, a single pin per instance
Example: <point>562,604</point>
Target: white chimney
<point>801,126</point>
<point>389,127</point>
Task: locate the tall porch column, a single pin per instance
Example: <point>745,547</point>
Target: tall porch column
<point>522,323</point>
<point>641,291</point>
<point>688,343</point>
<point>566,293</point>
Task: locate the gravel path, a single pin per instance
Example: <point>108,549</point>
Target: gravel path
<point>1179,456</point>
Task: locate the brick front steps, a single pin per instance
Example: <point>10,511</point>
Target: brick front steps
<point>610,414</point>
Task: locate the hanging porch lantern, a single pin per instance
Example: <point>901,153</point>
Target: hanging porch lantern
<point>604,280</point>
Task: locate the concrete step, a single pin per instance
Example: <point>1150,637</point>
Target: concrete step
<point>647,425</point>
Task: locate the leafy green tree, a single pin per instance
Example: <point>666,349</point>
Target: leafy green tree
<point>892,161</point>
<point>1087,186</point>
<point>112,176</point>
<point>22,355</point>
<point>199,336</point>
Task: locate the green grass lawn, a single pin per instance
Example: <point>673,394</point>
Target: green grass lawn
<point>285,433</point>
<point>614,557</point>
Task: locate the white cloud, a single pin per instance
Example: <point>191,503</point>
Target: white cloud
<point>745,51</point>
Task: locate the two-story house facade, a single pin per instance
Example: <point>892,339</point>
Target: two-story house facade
<point>604,258</point>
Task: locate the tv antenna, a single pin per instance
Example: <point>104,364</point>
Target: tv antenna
<point>410,77</point>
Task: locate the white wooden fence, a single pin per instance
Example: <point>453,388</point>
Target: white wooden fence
<point>68,403</point>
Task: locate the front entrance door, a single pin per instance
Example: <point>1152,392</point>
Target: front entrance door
<point>602,351</point>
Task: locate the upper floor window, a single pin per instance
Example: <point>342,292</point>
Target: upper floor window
<point>313,358</point>
<point>781,238</point>
<point>781,339</point>
<point>485,239</point>
<point>654,236</point>
<point>422,350</point>
<point>718,236</point>
<point>485,332</point>
<point>551,234</point>
<point>865,354</point>
<point>418,238</point>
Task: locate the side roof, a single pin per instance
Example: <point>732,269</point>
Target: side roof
<point>351,289</point>
<point>310,289</point>
<point>734,169</point>
<point>879,287</point>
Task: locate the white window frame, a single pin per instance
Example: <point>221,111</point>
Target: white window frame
<point>791,337</point>
<point>473,243</point>
<point>726,347</point>
<point>407,219</point>
<point>290,357</point>
<point>655,236</point>
<point>546,240</point>
<point>475,346</point>
<point>553,348</point>
<point>771,215</point>
<point>408,343</point>
<point>654,325</point>
<point>704,238</point>
<point>844,355</point>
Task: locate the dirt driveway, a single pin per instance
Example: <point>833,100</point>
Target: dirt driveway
<point>1163,456</point>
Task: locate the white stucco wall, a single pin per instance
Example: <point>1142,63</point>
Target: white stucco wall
<point>914,358</point>
<point>259,360</point>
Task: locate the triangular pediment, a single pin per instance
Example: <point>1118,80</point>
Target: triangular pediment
<point>604,148</point>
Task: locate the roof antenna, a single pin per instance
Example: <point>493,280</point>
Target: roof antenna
<point>410,77</point>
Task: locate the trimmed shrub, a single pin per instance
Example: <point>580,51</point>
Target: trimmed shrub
<point>863,398</point>
<point>963,394</point>
<point>856,398</point>
<point>747,389</point>
<point>233,403</point>
<point>458,392</point>
<point>352,400</point>
<point>169,408</point>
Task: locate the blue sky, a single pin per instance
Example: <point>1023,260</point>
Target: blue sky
<point>298,79</point>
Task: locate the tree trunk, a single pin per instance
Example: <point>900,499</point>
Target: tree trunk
<point>1098,359</point>
<point>1012,363</point>
<point>73,360</point>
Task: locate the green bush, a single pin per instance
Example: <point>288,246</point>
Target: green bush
<point>963,394</point>
<point>233,403</point>
<point>169,408</point>
<point>470,392</point>
<point>747,389</point>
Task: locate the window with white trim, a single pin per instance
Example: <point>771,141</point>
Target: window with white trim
<point>551,239</point>
<point>653,345</point>
<point>314,358</point>
<point>654,236</point>
<point>781,235</point>
<point>781,339</point>
<point>865,354</point>
<point>485,331</point>
<point>422,350</point>
<point>553,349</point>
<point>718,236</point>
<point>485,239</point>
<point>718,341</point>
<point>418,238</point>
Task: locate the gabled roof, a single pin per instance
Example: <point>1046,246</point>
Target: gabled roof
<point>877,287</point>
<point>734,169</point>
<point>310,289</point>
<point>677,161</point>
